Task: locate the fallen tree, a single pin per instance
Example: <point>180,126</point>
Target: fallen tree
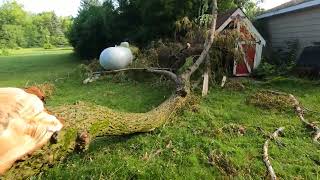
<point>85,122</point>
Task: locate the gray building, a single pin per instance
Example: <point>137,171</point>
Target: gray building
<point>297,20</point>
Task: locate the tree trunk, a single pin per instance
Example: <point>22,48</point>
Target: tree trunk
<point>84,122</point>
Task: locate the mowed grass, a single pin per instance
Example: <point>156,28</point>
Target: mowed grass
<point>200,143</point>
<point>37,51</point>
<point>60,68</point>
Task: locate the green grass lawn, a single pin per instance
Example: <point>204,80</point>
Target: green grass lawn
<point>181,149</point>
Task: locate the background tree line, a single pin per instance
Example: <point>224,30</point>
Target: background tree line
<point>19,28</point>
<point>100,24</point>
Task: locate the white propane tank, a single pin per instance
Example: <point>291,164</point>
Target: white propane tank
<point>114,58</point>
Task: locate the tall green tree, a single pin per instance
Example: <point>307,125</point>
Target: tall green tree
<point>12,19</point>
<point>93,29</point>
<point>101,25</point>
<point>21,29</point>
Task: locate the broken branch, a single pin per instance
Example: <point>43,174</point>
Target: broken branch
<point>187,74</point>
<point>266,158</point>
<point>299,111</point>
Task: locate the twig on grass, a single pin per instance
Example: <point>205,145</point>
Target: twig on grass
<point>266,158</point>
<point>299,111</point>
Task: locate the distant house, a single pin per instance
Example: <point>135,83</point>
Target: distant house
<point>251,50</point>
<point>296,20</point>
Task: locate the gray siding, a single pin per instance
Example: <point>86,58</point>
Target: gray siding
<point>303,26</point>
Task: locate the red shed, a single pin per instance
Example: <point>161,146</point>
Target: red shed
<point>252,49</point>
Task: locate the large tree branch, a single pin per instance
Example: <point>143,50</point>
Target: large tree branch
<point>187,74</point>
<point>180,85</point>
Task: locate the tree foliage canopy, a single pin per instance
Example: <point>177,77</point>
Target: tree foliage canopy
<point>99,25</point>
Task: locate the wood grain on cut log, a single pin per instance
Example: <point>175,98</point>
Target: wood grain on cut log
<point>84,121</point>
<point>266,157</point>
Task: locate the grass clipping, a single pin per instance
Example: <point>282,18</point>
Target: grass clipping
<point>270,100</point>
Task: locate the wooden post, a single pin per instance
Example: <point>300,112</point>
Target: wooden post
<point>205,87</point>
<point>224,80</point>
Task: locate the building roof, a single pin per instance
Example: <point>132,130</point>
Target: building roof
<point>293,5</point>
<point>224,19</point>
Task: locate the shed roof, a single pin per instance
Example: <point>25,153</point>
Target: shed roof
<point>225,18</point>
<point>293,5</point>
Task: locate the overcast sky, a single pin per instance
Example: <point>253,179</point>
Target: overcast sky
<point>70,7</point>
<point>268,4</point>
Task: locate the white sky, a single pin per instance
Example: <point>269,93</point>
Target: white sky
<point>268,4</point>
<point>60,7</point>
<point>70,7</point>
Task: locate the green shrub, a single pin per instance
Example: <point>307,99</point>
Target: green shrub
<point>279,62</point>
<point>265,70</point>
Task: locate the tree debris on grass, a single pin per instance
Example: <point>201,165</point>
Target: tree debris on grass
<point>282,102</point>
<point>266,157</point>
<point>233,129</point>
<point>269,100</point>
<point>222,162</point>
<point>233,84</point>
<point>47,88</point>
<point>299,110</point>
